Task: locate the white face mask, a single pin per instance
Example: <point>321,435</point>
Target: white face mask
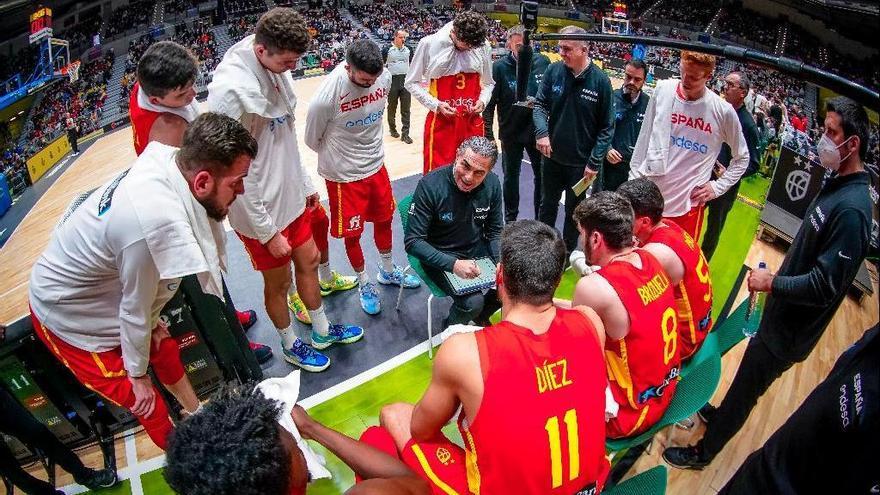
<point>829,157</point>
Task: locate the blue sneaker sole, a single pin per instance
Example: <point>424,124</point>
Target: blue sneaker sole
<point>384,281</point>
<point>306,367</point>
<point>323,345</point>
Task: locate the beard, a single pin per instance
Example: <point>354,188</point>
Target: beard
<point>588,252</point>
<point>214,210</point>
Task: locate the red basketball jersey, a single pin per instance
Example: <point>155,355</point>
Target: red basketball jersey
<point>141,121</point>
<point>643,367</point>
<point>444,134</point>
<point>693,295</point>
<point>540,428</point>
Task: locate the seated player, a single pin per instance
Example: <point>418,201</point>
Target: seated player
<point>531,389</point>
<point>633,297</point>
<point>682,259</point>
<point>456,218</point>
<point>234,445</point>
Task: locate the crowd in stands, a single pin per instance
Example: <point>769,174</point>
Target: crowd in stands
<point>137,13</point>
<point>744,23</point>
<point>694,14</point>
<point>807,48</point>
<point>81,34</point>
<point>238,8</point>
<point>330,33</point>
<point>384,19</point>
<point>14,168</point>
<point>19,62</point>
<point>174,7</point>
<point>237,29</point>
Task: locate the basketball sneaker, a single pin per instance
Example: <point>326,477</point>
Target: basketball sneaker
<point>99,478</point>
<point>300,354</point>
<point>262,352</point>
<point>298,307</point>
<point>339,334</point>
<point>397,277</point>
<point>691,457</point>
<point>247,319</point>
<point>370,302</point>
<point>338,283</point>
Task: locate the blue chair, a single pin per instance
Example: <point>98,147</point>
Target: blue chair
<point>416,266</point>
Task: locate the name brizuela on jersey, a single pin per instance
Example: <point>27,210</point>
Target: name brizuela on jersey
<point>344,126</point>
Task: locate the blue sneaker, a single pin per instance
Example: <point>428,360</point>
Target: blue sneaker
<point>370,298</point>
<point>305,357</point>
<point>397,277</point>
<point>339,334</point>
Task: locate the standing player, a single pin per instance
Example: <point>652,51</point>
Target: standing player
<point>530,389</point>
<point>682,259</point>
<point>456,61</point>
<point>253,84</point>
<point>632,295</point>
<point>161,106</point>
<point>344,126</point>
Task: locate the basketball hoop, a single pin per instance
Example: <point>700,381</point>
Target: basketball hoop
<point>71,70</point>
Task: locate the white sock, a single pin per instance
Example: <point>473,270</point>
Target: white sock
<point>288,336</point>
<point>362,277</point>
<point>324,273</point>
<point>387,263</point>
<point>320,324</point>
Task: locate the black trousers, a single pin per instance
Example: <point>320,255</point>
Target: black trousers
<point>715,218</point>
<point>557,179</point>
<point>475,306</point>
<point>16,421</point>
<point>612,176</point>
<point>758,370</point>
<point>511,161</point>
<point>398,92</point>
<point>72,137</point>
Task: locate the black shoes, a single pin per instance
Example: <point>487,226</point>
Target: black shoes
<point>97,479</point>
<point>394,133</point>
<point>262,352</point>
<point>707,412</point>
<point>690,457</point>
<point>406,139</point>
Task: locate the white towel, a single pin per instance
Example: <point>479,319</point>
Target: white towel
<point>286,391</point>
<point>187,112</point>
<point>650,156</point>
<point>240,83</point>
<point>181,237</point>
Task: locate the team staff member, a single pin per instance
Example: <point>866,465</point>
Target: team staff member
<point>842,415</point>
<point>630,104</point>
<point>255,455</point>
<point>515,126</point>
<point>736,86</point>
<point>684,127</point>
<point>574,124</point>
<point>397,60</point>
<point>162,104</point>
<point>633,296</point>
<point>681,258</point>
<point>814,277</point>
<point>455,218</point>
<point>97,289</point>
<point>507,413</point>
<point>344,126</point>
<point>253,85</point>
<point>456,62</point>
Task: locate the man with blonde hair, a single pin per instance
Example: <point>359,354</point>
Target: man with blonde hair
<point>684,128</point>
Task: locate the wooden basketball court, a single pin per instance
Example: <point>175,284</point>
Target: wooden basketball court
<point>113,153</point>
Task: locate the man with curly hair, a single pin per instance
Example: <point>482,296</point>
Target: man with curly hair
<point>235,445</point>
<point>456,63</point>
<point>280,207</point>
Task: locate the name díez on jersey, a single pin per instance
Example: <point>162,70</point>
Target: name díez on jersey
<point>359,102</point>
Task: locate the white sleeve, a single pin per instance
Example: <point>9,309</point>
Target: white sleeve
<point>416,74</point>
<point>318,117</point>
<point>140,283</point>
<point>258,216</point>
<point>640,152</point>
<point>739,151</point>
<point>486,79</point>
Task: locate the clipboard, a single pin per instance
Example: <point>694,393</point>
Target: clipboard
<point>486,280</point>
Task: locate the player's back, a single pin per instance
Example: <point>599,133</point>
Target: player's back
<point>643,366</point>
<point>540,427</point>
<point>693,295</point>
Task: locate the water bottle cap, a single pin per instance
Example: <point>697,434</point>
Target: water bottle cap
<point>762,265</point>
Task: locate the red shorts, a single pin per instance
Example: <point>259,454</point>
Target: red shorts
<point>297,233</point>
<point>440,462</point>
<point>104,373</point>
<point>443,135</point>
<point>354,203</point>
<point>691,222</point>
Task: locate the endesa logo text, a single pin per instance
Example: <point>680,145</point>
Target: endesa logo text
<point>687,120</point>
<point>363,100</point>
<point>683,142</point>
<point>368,120</point>
<point>460,102</point>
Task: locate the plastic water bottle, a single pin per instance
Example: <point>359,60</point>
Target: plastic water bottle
<point>753,311</point>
